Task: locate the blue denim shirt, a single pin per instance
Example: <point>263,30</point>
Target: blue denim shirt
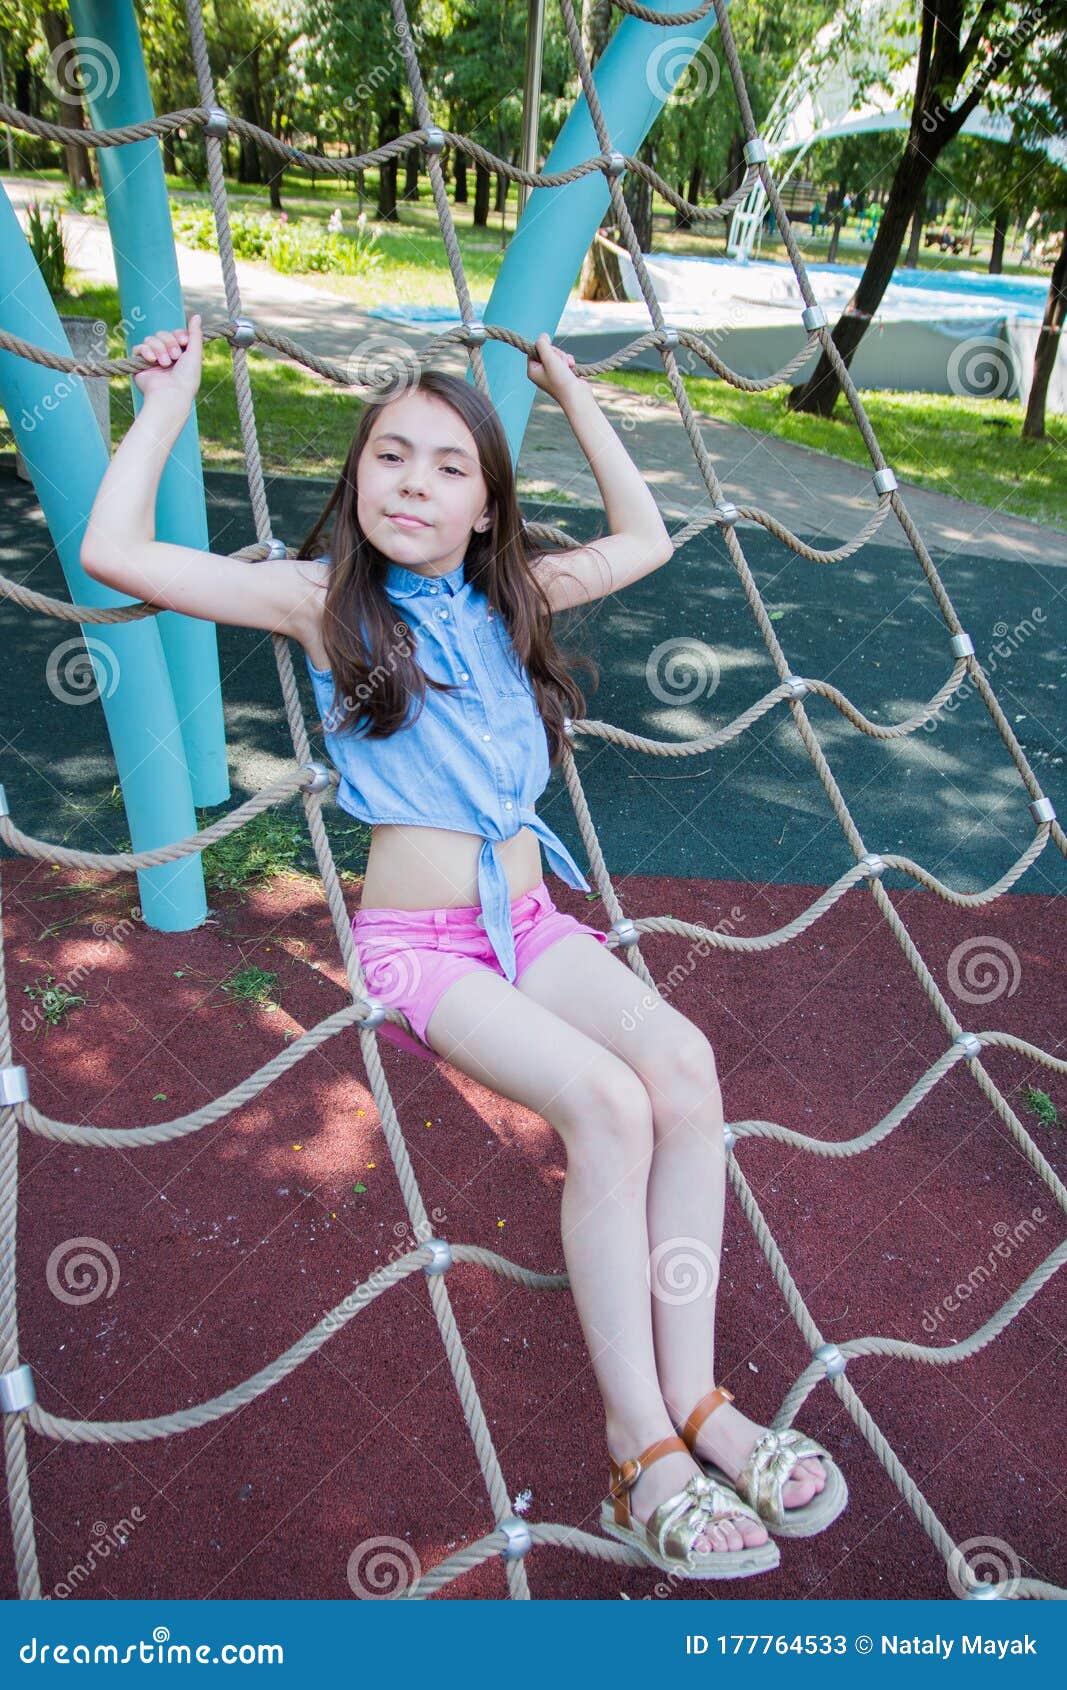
<point>475,760</point>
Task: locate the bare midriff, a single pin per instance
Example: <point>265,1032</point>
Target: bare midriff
<point>421,868</point>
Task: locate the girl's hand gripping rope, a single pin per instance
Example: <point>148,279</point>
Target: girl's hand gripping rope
<point>176,357</point>
<point>551,369</point>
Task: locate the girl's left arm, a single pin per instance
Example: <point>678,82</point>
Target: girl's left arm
<point>638,542</point>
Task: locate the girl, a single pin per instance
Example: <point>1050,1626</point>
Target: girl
<point>456,927</point>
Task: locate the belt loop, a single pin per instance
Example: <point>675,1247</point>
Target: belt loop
<point>440,919</point>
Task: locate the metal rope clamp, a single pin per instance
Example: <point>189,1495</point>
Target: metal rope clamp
<point>17,1390</point>
<point>726,514</point>
<point>5,807</point>
<point>729,1137</point>
<point>626,930</point>
<point>244,332</point>
<point>14,1086</point>
<point>1042,810</point>
<point>969,1043</point>
<point>441,1259</point>
<point>320,777</point>
<point>616,164</point>
<point>517,1534</point>
<point>375,1015</point>
<point>796,686</point>
<point>474,334</point>
<point>833,1360</point>
<point>755,151</point>
<point>277,549</point>
<point>218,124</point>
<point>433,139</point>
<point>873,866</point>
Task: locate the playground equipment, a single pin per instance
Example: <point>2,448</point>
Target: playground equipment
<point>850,82</point>
<point>507,1535</point>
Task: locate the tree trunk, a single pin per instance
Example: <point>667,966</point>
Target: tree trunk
<point>1048,344</point>
<point>941,61</point>
<point>70,101</point>
<point>599,276</point>
<point>482,183</point>
<point>411,175</point>
<point>683,219</point>
<point>915,243</point>
<point>501,191</point>
<point>388,130</point>
<point>638,196</point>
<point>1000,235</point>
<point>819,394</point>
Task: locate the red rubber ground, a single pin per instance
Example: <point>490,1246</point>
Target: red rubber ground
<point>234,1241</point>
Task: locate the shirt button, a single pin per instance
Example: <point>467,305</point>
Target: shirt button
<point>464,675</point>
<point>487,736</point>
<point>507,804</point>
<point>444,614</point>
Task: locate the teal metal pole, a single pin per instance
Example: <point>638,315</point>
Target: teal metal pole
<point>57,431</point>
<point>633,79</point>
<point>150,298</point>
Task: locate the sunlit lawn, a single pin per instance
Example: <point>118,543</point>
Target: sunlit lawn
<point>970,448</point>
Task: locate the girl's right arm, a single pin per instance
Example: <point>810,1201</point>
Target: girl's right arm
<point>119,547</point>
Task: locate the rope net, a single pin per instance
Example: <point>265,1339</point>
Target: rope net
<point>510,1537</point>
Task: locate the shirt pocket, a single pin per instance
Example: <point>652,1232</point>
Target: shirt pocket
<point>506,673</point>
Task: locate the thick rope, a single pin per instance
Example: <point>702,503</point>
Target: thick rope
<point>421,1257</point>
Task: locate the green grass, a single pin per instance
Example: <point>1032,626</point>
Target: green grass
<point>1039,1103</point>
<point>969,448</point>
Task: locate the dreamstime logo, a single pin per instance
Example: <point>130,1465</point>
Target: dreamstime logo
<point>664,989</point>
<point>377,78</point>
<point>81,670</point>
<point>682,60</point>
<point>83,68</point>
<point>984,1560</point>
<point>69,382</point>
<point>1007,643</point>
<point>670,662</point>
<point>984,368</point>
<point>406,1239</point>
<point>1008,1240</point>
<point>88,1265</point>
<point>382,1567</point>
<point>344,706</point>
<point>682,1270</point>
<point>105,1538</point>
<point>385,365</point>
<point>105,935</point>
<point>983,969</point>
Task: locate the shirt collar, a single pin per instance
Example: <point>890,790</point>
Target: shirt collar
<point>406,583</point>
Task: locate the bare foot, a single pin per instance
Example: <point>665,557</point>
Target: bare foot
<point>670,1474</point>
<point>727,1437</point>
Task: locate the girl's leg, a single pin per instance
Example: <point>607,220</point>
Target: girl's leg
<point>600,995</point>
<point>601,1109</point>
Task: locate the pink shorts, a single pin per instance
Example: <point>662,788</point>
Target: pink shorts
<point>410,957</point>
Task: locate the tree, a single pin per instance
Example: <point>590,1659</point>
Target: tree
<point>600,277</point>
<point>954,62</point>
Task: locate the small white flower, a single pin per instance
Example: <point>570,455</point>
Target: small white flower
<point>522,1502</point>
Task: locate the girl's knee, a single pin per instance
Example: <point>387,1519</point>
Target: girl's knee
<point>607,1111</point>
<point>685,1072</point>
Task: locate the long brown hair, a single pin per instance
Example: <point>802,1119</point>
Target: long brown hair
<point>375,681</point>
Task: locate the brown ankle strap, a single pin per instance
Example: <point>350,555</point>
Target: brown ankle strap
<point>707,1405</point>
<point>628,1473</point>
